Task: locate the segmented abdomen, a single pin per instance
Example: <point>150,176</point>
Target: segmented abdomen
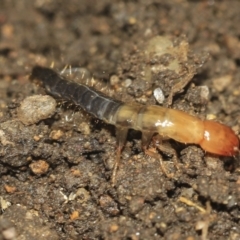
<point>84,96</point>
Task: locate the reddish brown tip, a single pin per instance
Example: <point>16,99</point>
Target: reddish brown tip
<point>219,139</point>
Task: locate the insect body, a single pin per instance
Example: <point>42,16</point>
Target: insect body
<point>213,137</point>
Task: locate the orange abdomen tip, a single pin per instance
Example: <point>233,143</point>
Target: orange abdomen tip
<point>219,139</point>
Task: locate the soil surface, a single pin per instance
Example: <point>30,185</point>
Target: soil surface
<point>56,160</point>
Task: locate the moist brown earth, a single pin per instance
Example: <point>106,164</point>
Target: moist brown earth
<point>56,168</point>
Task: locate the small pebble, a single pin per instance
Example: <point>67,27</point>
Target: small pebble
<point>9,234</point>
<point>113,228</point>
<point>108,205</point>
<point>39,167</point>
<point>36,108</point>
<point>126,83</point>
<point>56,134</point>
<point>159,95</point>
<point>114,79</point>
<point>10,189</point>
<point>84,128</point>
<point>74,215</point>
<point>221,83</point>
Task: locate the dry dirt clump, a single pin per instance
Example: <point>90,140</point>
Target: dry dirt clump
<point>56,161</point>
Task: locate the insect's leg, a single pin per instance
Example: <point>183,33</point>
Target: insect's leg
<point>121,134</point>
<point>169,150</point>
<point>146,139</point>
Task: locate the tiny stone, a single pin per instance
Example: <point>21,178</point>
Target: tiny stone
<point>9,233</point>
<point>114,79</point>
<point>159,96</point>
<point>36,108</point>
<point>127,83</point>
<point>39,167</point>
<point>221,83</point>
<point>56,134</point>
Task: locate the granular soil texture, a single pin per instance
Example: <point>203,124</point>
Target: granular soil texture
<point>56,160</point>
